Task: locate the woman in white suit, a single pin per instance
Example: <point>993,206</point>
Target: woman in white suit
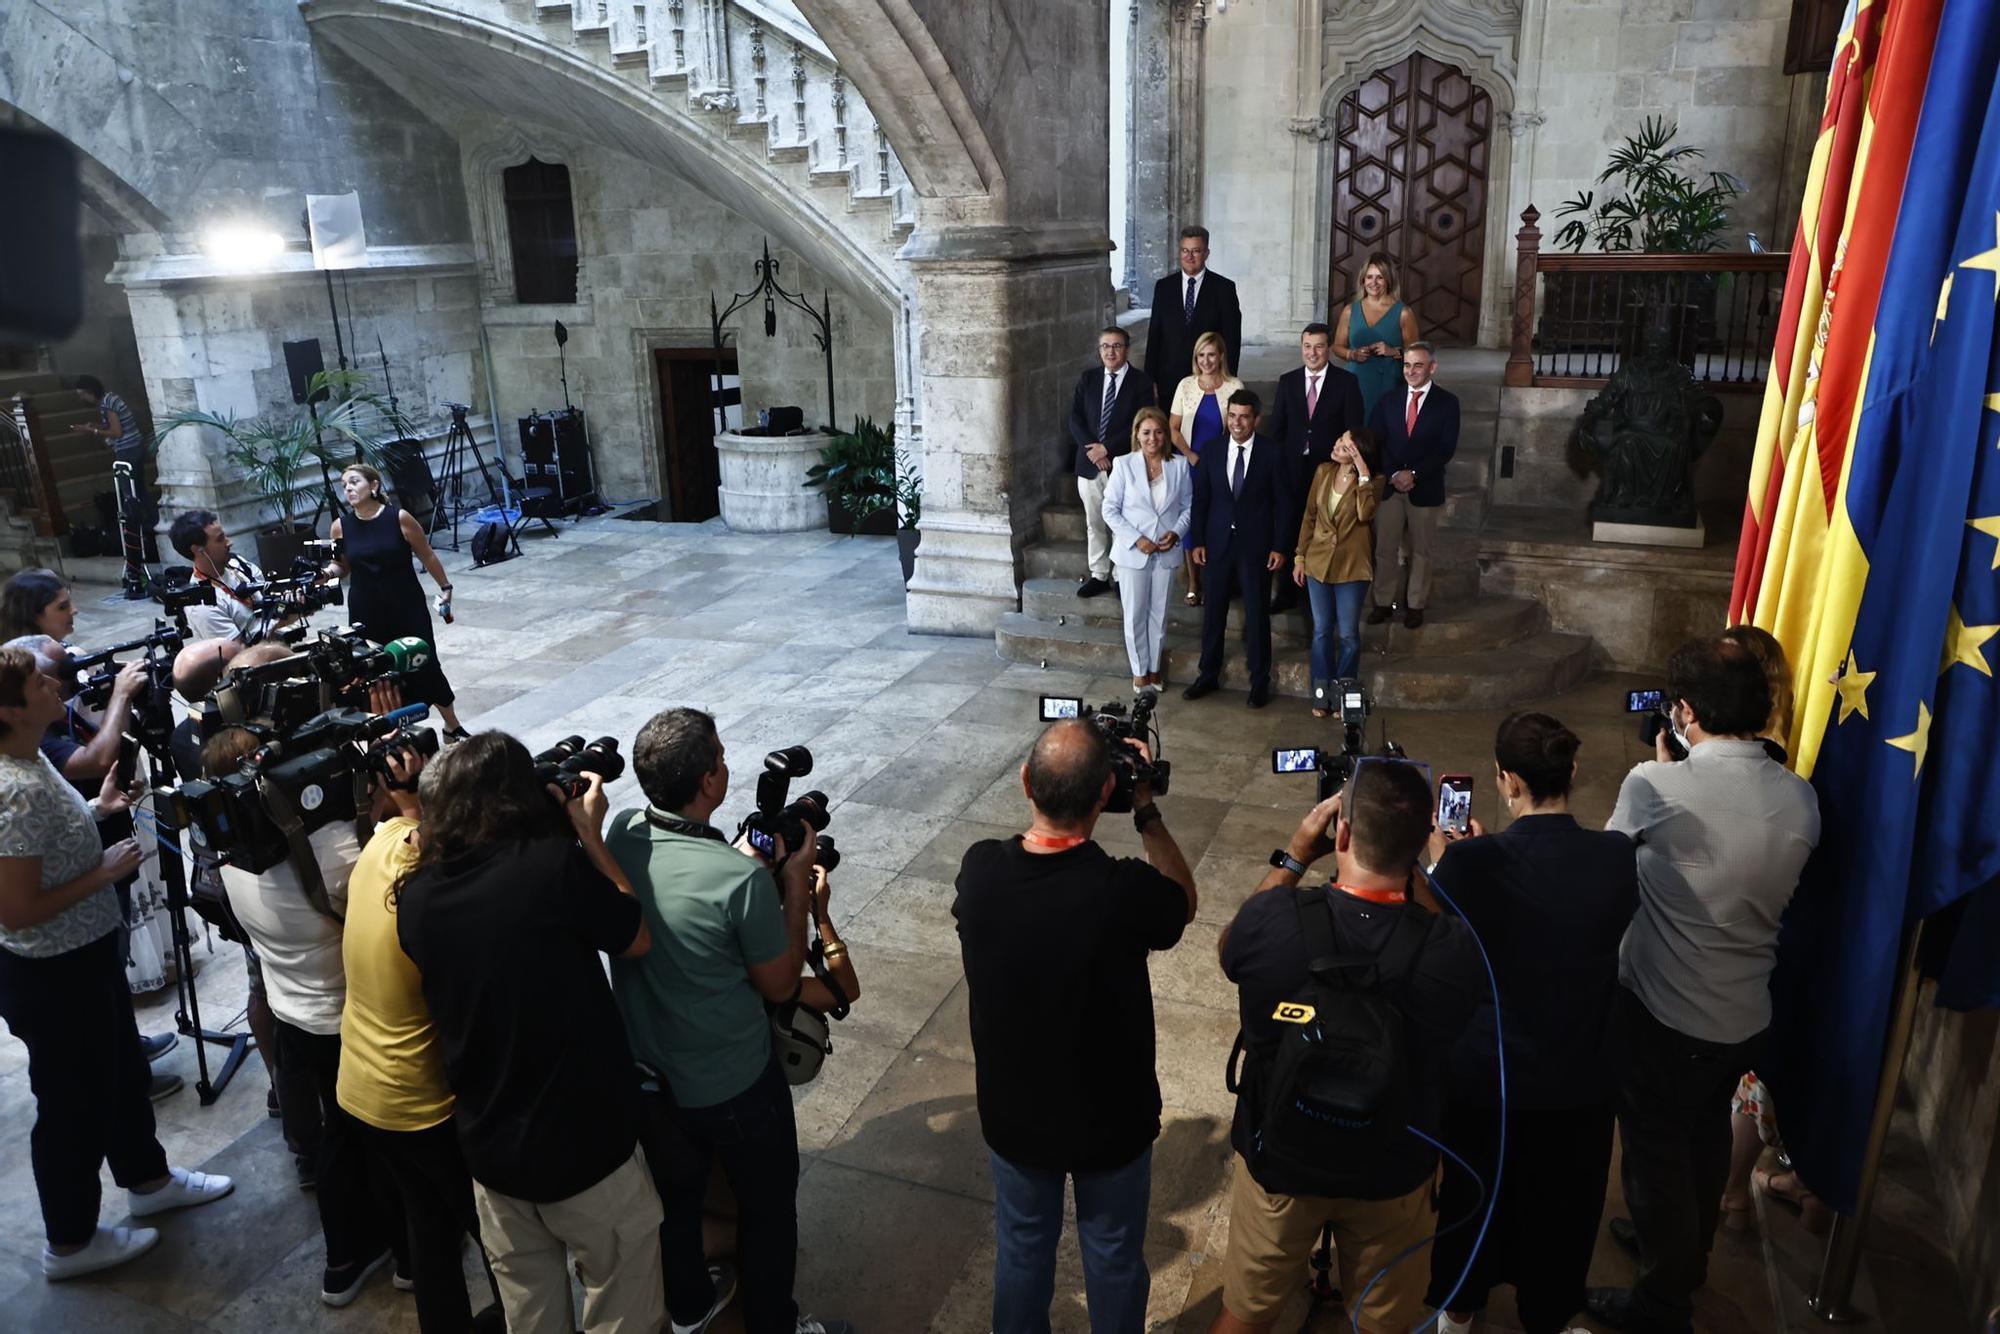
<point>1147,504</point>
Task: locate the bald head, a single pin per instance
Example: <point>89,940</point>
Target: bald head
<point>198,666</point>
<point>51,658</point>
<point>1068,773</point>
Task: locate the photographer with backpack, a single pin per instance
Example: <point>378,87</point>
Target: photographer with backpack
<point>1351,995</point>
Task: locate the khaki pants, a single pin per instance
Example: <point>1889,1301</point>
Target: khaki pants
<point>1392,516</point>
<point>1097,533</point>
<point>1271,1236</point>
<point>613,1229</point>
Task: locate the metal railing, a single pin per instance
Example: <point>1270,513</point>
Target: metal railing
<point>1577,316</point>
<point>26,474</point>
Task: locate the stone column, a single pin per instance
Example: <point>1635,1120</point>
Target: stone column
<point>1149,207</point>
<point>1187,31</point>
<point>1002,311</point>
<point>711,50</point>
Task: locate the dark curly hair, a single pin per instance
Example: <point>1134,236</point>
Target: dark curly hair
<point>477,793</point>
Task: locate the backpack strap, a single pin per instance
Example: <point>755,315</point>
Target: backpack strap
<point>1324,961</point>
<point>1323,956</point>
<point>1406,942</point>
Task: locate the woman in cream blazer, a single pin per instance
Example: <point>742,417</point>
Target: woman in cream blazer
<point>1147,503</point>
<point>1335,559</point>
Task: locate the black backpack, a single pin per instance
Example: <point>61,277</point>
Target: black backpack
<point>1337,1088</point>
<point>489,543</point>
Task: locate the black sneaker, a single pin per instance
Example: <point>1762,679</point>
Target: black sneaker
<point>1092,586</point>
<point>341,1284</point>
<point>1379,615</point>
<point>722,1278</point>
<point>159,1044</point>
<point>809,1324</point>
<point>454,735</point>
<point>164,1086</point>
<point>308,1174</point>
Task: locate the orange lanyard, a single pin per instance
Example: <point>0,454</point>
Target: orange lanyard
<point>1372,895</point>
<point>1062,843</point>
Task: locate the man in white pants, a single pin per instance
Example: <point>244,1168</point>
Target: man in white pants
<point>1100,424</point>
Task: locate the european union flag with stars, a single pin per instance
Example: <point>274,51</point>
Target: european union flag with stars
<point>1909,772</point>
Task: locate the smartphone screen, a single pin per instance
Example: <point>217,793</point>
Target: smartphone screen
<point>1056,707</point>
<point>1303,760</point>
<point>1644,701</point>
<point>1454,813</point>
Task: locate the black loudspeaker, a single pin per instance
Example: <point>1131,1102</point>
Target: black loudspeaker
<point>556,457</point>
<point>303,361</point>
<point>786,421</point>
<point>409,476</point>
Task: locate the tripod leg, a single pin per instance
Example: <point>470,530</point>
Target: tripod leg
<point>187,1013</point>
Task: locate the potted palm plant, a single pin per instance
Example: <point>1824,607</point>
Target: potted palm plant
<point>857,473</point>
<point>278,453</point>
<point>910,500</point>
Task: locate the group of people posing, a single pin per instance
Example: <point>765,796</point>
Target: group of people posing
<point>1180,467</point>
<point>1548,983</point>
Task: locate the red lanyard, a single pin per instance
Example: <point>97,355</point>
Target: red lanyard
<point>1062,843</point>
<point>224,588</point>
<point>1372,895</point>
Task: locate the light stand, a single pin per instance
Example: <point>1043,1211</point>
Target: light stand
<point>131,540</point>
<point>562,363</point>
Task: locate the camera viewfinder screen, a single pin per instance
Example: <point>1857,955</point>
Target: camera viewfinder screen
<point>1644,701</point>
<point>1056,707</point>
<point>1301,761</point>
<point>1352,700</point>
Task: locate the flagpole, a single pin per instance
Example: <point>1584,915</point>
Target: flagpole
<point>1833,1294</point>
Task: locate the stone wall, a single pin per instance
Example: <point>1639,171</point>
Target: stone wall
<point>653,249</point>
<point>214,341</point>
<point>1537,424</point>
<point>1569,79</point>
<point>1953,1070</point>
<point>103,344</point>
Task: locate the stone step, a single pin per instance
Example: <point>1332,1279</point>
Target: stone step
<point>1480,624</point>
<point>789,152</point>
<point>1534,668</point>
<point>630,57</point>
<point>1454,564</point>
<point>750,130</point>
<point>1464,508</point>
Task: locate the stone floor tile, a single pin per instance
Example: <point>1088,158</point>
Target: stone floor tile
<point>947,769</point>
<point>909,914</point>
<point>968,1309</point>
<point>90,1305</point>
<point>920,1125</point>
<point>949,1032</point>
<point>880,837</point>
<point>1191,1049</point>
<point>923,1237</point>
<point>1190,973</point>
<point>942,856</point>
<point>900,992</point>
<point>1225,881</point>
<point>848,1075</point>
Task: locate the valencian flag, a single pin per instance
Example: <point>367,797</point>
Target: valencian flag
<point>1909,606</point>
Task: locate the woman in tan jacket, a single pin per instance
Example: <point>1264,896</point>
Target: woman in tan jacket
<point>1335,558</point>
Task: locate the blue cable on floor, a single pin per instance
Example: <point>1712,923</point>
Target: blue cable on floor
<point>1499,1165</point>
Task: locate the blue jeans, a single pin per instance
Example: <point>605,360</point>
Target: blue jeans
<point>1111,1230</point>
<point>1336,604</point>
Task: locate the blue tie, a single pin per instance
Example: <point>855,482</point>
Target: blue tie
<point>1236,474</point>
<point>1189,287</point>
<point>1110,397</point>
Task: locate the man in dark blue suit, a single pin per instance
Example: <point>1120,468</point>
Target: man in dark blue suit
<point>1234,534</point>
<point>1418,429</point>
<point>1107,397</point>
<point>1315,405</point>
<point>1186,305</point>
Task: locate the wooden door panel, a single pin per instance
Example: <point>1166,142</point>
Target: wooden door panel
<point>1410,164</point>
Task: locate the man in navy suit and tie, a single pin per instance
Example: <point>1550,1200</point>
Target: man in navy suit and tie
<point>1187,305</point>
<point>1234,534</point>
<point>1315,405</point>
<point>1419,433</point>
<point>1100,422</point>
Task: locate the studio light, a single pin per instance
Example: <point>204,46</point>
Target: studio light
<point>240,245</point>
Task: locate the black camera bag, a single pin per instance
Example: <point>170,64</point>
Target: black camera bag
<point>1337,1087</point>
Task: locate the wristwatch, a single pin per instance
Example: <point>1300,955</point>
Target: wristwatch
<point>1279,857</point>
<point>1146,815</point>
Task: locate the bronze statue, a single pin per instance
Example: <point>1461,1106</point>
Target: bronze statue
<point>1643,431</point>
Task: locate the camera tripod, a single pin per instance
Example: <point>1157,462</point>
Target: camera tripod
<point>131,539</point>
<point>153,729</point>
<point>450,489</point>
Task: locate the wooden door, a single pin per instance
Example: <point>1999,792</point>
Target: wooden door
<point>690,469</point>
<point>1410,153</point>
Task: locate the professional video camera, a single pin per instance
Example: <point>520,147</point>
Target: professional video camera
<point>1119,727</point>
<point>1653,706</point>
<point>794,822</point>
<point>176,601</point>
<point>307,779</point>
<point>97,671</point>
<point>1335,767</point>
<point>334,669</point>
<point>303,591</point>
<point>564,764</point>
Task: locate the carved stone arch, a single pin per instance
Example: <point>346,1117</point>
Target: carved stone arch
<point>484,159</point>
<point>1482,42</point>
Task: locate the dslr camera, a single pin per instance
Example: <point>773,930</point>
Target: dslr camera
<point>1653,706</point>
<point>566,764</point>
<point>795,822</point>
<point>1335,767</point>
<point>334,670</point>
<point>1118,727</point>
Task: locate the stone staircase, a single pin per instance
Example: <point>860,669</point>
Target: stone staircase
<point>1472,652</point>
<point>756,75</point>
<point>80,463</point>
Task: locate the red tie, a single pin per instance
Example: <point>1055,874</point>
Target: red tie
<point>1410,417</point>
<point>1312,394</point>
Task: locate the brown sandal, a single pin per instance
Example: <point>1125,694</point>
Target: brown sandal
<point>1817,1217</point>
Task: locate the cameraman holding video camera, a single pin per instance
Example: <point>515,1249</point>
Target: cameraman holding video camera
<point>200,538</point>
<point>726,940</point>
<point>1055,934</point>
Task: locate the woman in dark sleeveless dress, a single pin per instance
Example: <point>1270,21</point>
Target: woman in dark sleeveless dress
<point>383,596</point>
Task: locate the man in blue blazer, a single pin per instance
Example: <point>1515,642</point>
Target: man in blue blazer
<point>1235,534</point>
<point>1418,429</point>
<point>1107,397</point>
<point>1315,405</point>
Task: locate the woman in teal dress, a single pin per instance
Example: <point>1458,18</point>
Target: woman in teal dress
<point>1377,329</point>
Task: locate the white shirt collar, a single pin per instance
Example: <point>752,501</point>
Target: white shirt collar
<point>1243,445</point>
<point>1112,376</point>
<point>1421,394</point>
<point>1195,280</point>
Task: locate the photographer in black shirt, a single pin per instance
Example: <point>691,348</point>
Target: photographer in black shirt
<point>1055,934</point>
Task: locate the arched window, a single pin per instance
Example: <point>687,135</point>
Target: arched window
<point>541,228</point>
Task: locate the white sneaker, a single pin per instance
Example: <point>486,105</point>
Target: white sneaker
<point>814,1325</point>
<point>1450,1324</point>
<point>111,1246</point>
<point>184,1189</point>
<point>723,1277</point>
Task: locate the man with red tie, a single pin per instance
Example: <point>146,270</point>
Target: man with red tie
<point>1315,405</point>
<point>1419,433</point>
